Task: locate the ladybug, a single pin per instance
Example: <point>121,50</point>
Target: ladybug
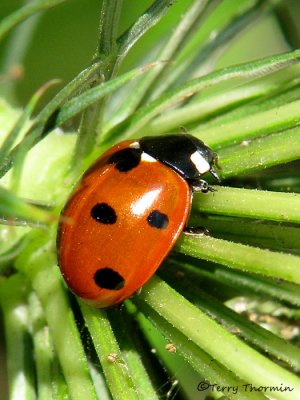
<point>127,213</point>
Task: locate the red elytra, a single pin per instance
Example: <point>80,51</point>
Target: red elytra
<point>130,246</point>
<point>127,212</point>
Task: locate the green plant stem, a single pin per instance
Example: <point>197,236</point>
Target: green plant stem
<point>200,361</point>
<point>11,253</point>
<point>58,114</point>
<point>213,104</point>
<point>133,352</point>
<point>246,128</point>
<point>168,51</point>
<point>146,21</point>
<point>116,370</point>
<point>256,233</point>
<point>11,206</point>
<point>180,375</point>
<point>241,257</point>
<point>87,138</point>
<point>217,342</point>
<point>185,91</point>
<point>247,284</point>
<point>59,385</point>
<point>38,262</point>
<point>20,124</point>
<point>249,203</point>
<point>237,21</point>
<point>274,93</point>
<point>232,321</point>
<point>107,53</point>
<point>90,96</point>
<point>282,291</point>
<point>75,85</point>
<point>216,17</point>
<point>54,113</point>
<point>45,120</point>
<point>15,314</point>
<point>259,153</point>
<point>43,349</point>
<point>115,52</point>
<point>222,108</point>
<point>108,28</point>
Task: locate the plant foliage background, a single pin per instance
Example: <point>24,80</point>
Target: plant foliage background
<point>78,76</point>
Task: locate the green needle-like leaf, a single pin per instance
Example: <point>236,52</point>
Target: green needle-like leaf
<point>176,96</point>
<point>195,356</point>
<point>47,284</point>
<point>114,366</point>
<point>239,256</point>
<point>247,128</point>
<point>15,314</point>
<point>234,322</point>
<point>283,291</point>
<point>154,13</point>
<point>45,120</point>
<point>23,119</point>
<point>81,102</point>
<point>109,21</point>
<point>170,48</point>
<point>248,203</point>
<point>206,334</point>
<point>246,283</point>
<point>260,154</point>
<point>43,351</point>
<point>12,206</point>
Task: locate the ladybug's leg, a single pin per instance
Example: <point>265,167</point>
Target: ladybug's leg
<point>198,186</point>
<point>201,186</point>
<point>196,230</point>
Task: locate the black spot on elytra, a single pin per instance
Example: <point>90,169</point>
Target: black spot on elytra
<point>126,159</point>
<point>107,278</point>
<point>156,219</point>
<point>104,213</point>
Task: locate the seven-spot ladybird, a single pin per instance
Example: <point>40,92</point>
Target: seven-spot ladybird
<point>127,213</point>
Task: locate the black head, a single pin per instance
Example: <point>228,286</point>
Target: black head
<point>186,154</point>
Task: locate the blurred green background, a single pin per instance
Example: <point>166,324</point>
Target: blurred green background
<point>63,40</point>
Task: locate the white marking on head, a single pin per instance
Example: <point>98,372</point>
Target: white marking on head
<point>134,145</point>
<point>200,163</point>
<point>146,157</point>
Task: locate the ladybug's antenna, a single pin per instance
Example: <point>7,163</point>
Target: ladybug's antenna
<point>216,161</point>
<point>216,164</point>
